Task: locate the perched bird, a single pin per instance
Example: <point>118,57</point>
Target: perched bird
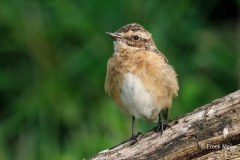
<point>139,78</point>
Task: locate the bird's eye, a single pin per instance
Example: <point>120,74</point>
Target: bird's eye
<point>135,38</point>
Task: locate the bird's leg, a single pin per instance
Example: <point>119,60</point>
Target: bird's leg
<point>134,137</point>
<point>133,132</point>
<point>160,124</point>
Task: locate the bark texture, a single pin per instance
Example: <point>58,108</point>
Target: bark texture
<point>209,132</point>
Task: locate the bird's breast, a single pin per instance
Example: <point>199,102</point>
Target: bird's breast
<point>141,83</point>
<point>136,98</point>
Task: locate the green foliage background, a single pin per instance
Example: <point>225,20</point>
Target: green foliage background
<point>53,65</point>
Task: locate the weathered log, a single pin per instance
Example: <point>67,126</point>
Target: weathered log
<point>211,131</point>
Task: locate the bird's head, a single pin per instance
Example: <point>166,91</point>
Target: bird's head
<point>132,36</point>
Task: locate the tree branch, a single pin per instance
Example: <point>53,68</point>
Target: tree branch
<point>211,131</point>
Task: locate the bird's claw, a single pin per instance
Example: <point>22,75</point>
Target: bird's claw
<point>161,127</point>
<point>134,137</point>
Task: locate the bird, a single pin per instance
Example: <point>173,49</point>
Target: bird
<point>139,78</point>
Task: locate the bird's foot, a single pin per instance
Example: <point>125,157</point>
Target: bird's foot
<point>161,127</point>
<point>134,137</point>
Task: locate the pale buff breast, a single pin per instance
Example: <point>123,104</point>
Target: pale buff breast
<point>141,84</point>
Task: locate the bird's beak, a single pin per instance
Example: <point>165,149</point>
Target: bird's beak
<point>114,35</point>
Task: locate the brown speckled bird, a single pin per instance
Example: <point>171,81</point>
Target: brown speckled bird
<point>139,78</point>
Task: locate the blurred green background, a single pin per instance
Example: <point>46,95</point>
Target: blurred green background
<point>53,65</point>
